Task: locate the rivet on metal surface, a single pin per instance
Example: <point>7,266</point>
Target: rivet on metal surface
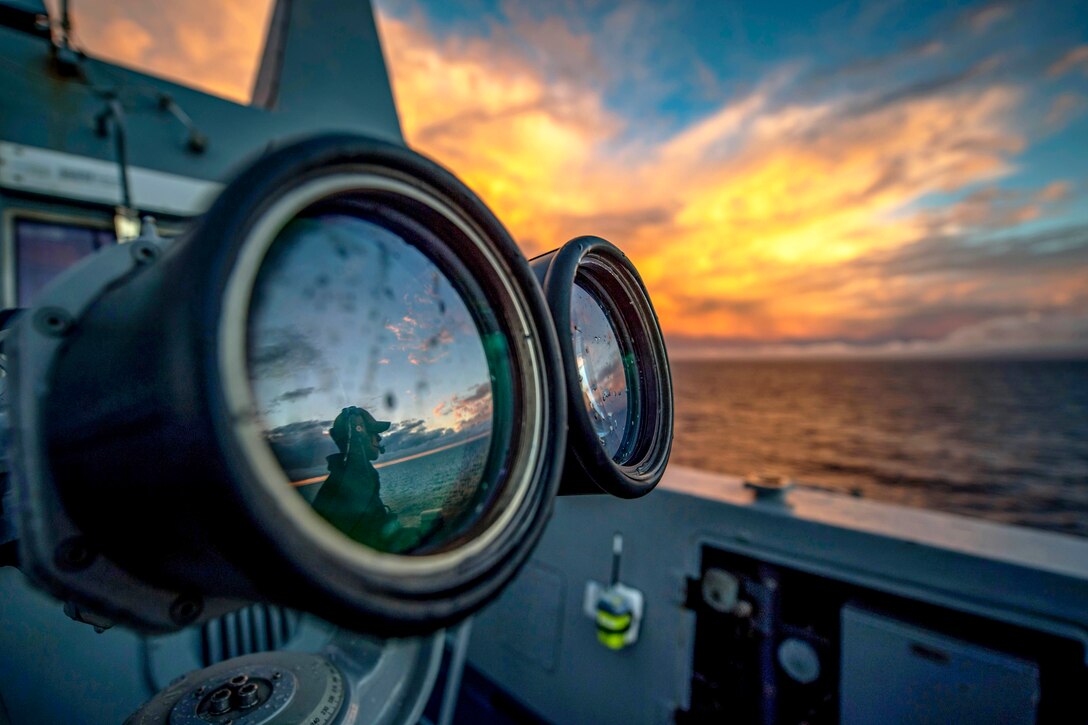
<point>53,321</point>
<point>144,252</point>
<point>186,609</point>
<point>720,590</point>
<point>73,554</point>
<point>769,487</point>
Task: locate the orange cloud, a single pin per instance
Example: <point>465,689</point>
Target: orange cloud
<point>1054,191</point>
<point>471,409</point>
<point>758,222</point>
<point>982,19</point>
<point>526,146</point>
<point>725,218</point>
<point>1075,58</point>
<point>213,47</point>
<point>1064,108</point>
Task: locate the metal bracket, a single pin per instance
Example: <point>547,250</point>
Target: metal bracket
<point>53,550</point>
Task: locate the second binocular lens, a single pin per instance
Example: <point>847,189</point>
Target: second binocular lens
<point>619,389</point>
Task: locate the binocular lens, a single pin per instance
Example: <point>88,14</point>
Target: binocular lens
<point>337,380</point>
<point>371,382</point>
<point>603,370</point>
<point>617,371</point>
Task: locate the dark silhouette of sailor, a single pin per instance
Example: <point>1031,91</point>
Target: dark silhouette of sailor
<point>350,498</point>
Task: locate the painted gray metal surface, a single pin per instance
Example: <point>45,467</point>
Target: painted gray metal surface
<point>34,6</point>
<point>56,670</point>
<point>884,681</point>
<point>54,173</point>
<point>1058,553</point>
<point>536,642</point>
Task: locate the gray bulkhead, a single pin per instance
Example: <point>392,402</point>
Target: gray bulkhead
<point>888,581</point>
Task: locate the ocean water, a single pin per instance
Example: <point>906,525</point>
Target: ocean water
<point>446,479</point>
<point>1001,440</point>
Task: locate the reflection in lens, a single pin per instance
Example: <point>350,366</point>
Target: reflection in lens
<point>371,382</point>
<point>600,369</point>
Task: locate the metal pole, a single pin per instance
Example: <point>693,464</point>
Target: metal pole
<point>453,677</point>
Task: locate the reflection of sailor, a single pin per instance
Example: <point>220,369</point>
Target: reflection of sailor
<point>350,498</point>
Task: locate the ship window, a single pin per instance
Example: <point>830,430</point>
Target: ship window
<point>45,249</point>
<point>210,46</point>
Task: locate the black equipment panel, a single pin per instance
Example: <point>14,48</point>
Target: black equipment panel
<point>737,670</point>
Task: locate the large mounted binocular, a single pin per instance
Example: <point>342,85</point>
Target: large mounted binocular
<point>343,389</point>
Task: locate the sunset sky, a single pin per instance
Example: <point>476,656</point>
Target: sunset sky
<point>885,178</point>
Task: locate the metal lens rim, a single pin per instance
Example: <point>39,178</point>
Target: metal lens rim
<point>233,369</point>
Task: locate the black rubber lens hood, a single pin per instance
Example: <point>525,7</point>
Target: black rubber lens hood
<point>600,266</point>
<point>144,445</point>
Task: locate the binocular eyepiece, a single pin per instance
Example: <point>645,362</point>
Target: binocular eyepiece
<point>341,390</point>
